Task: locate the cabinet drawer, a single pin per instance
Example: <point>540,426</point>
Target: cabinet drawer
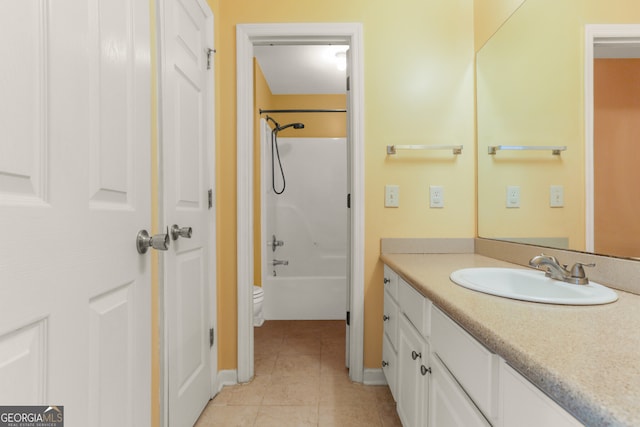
<point>390,320</point>
<point>390,366</point>
<point>391,282</point>
<point>449,405</point>
<point>523,405</point>
<point>473,366</point>
<point>416,307</point>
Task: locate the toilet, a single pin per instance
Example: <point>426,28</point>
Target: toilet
<point>258,298</point>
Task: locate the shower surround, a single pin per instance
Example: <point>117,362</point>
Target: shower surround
<point>310,219</point>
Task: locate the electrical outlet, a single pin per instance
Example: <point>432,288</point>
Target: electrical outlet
<point>513,196</point>
<point>556,196</point>
<point>391,196</point>
<point>436,196</point>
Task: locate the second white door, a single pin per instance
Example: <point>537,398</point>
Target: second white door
<point>187,153</point>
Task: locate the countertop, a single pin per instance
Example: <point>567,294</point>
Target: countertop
<point>586,358</point>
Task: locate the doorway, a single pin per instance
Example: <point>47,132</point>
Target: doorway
<point>610,49</point>
<point>249,35</point>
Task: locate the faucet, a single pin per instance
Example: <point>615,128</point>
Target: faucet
<point>557,271</point>
<point>279,262</point>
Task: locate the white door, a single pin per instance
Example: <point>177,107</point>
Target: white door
<point>75,305</point>
<point>187,151</point>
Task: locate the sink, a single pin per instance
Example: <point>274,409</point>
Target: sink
<point>531,285</point>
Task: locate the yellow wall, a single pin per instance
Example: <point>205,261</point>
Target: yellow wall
<point>419,80</point>
<point>324,125</point>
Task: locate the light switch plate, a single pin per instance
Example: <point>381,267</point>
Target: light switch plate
<point>391,196</point>
<point>556,196</point>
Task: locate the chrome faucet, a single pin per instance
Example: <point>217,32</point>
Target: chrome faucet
<point>279,262</point>
<point>557,271</point>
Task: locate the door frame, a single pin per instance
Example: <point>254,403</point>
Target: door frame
<point>161,217</point>
<point>616,36</point>
<point>246,36</point>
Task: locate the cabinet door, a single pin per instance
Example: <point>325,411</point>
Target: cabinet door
<point>390,366</point>
<point>412,381</point>
<point>449,405</point>
<point>524,405</point>
<point>390,320</point>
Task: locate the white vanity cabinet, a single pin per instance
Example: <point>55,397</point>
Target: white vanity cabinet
<point>441,376</point>
<point>449,405</point>
<point>390,324</point>
<point>524,405</point>
<point>413,375</point>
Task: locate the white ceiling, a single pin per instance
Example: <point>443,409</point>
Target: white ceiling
<point>302,69</point>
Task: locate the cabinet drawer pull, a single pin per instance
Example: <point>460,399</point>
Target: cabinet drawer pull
<point>415,355</point>
<point>385,317</point>
<point>387,280</point>
<point>385,364</point>
<point>424,370</point>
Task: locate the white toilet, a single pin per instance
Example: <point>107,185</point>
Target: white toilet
<point>258,298</point>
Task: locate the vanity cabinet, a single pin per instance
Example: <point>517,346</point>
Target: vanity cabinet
<point>449,405</point>
<point>441,376</point>
<point>413,375</point>
<point>524,405</point>
<point>390,324</point>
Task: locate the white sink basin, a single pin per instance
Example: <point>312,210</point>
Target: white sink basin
<point>531,285</point>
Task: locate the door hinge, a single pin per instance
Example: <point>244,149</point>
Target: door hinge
<point>211,337</point>
<point>210,53</point>
<point>349,201</point>
<point>348,83</point>
<point>210,195</point>
<point>348,318</point>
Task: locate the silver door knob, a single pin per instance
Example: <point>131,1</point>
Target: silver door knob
<point>177,232</point>
<point>159,242</point>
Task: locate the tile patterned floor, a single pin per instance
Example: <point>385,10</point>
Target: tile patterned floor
<point>301,381</point>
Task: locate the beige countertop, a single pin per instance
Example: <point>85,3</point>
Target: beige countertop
<point>586,358</point>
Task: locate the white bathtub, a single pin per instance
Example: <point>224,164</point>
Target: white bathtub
<point>305,298</point>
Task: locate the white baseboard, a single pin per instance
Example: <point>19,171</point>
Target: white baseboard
<point>374,377</point>
<point>228,377</point>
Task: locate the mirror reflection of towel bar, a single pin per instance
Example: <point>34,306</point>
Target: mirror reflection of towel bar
<point>457,149</point>
<point>555,149</point>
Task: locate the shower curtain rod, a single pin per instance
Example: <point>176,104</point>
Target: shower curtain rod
<point>302,111</point>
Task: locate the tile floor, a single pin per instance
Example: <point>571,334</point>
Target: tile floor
<point>301,381</point>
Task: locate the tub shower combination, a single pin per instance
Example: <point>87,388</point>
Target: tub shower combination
<point>304,227</point>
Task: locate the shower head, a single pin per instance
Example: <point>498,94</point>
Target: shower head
<point>295,126</point>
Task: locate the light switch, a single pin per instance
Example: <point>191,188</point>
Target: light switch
<point>556,196</point>
<point>391,196</point>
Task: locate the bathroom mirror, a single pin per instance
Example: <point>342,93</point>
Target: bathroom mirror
<point>530,93</point>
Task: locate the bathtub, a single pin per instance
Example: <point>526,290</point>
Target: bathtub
<point>305,298</point>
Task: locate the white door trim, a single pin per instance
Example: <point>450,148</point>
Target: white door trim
<point>615,35</point>
<point>246,36</point>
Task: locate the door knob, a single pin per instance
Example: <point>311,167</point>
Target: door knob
<point>158,242</point>
<point>177,232</point>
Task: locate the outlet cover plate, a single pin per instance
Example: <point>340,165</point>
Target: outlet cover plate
<point>513,196</point>
<point>436,196</point>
